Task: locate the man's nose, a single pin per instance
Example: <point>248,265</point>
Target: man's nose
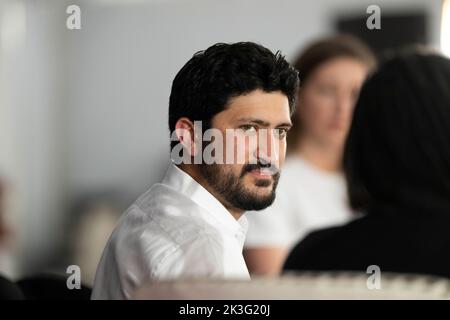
<point>267,151</point>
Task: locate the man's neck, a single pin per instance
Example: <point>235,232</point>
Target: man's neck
<point>192,170</point>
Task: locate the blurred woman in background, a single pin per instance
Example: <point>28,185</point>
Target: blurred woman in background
<point>397,164</point>
<point>312,191</point>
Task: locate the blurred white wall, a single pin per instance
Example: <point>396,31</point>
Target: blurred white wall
<point>32,102</point>
<point>86,110</point>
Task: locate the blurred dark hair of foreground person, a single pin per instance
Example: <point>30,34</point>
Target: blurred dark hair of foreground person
<point>397,164</point>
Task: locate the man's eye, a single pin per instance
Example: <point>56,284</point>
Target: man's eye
<point>248,129</point>
<point>280,133</point>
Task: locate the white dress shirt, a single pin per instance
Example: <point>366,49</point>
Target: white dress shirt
<point>307,199</point>
<point>176,229</point>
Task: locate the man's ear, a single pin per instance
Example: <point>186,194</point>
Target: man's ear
<point>184,129</point>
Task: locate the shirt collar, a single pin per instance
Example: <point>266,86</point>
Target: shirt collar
<point>182,182</point>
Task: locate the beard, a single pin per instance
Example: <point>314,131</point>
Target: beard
<point>232,189</point>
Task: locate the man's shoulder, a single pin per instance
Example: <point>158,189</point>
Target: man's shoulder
<point>154,218</point>
<point>160,221</point>
<point>162,243</point>
<point>163,202</point>
<point>142,247</point>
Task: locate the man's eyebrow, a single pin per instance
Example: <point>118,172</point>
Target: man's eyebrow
<point>285,124</point>
<point>260,122</point>
<point>263,123</point>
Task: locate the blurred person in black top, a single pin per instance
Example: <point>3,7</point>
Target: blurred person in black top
<point>397,165</point>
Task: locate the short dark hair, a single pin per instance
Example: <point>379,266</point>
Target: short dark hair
<point>397,154</point>
<point>205,84</point>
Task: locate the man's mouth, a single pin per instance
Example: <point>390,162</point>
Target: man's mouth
<point>264,173</point>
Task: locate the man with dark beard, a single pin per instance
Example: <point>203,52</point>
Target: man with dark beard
<point>192,223</point>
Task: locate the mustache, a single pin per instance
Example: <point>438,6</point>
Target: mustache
<point>273,169</point>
